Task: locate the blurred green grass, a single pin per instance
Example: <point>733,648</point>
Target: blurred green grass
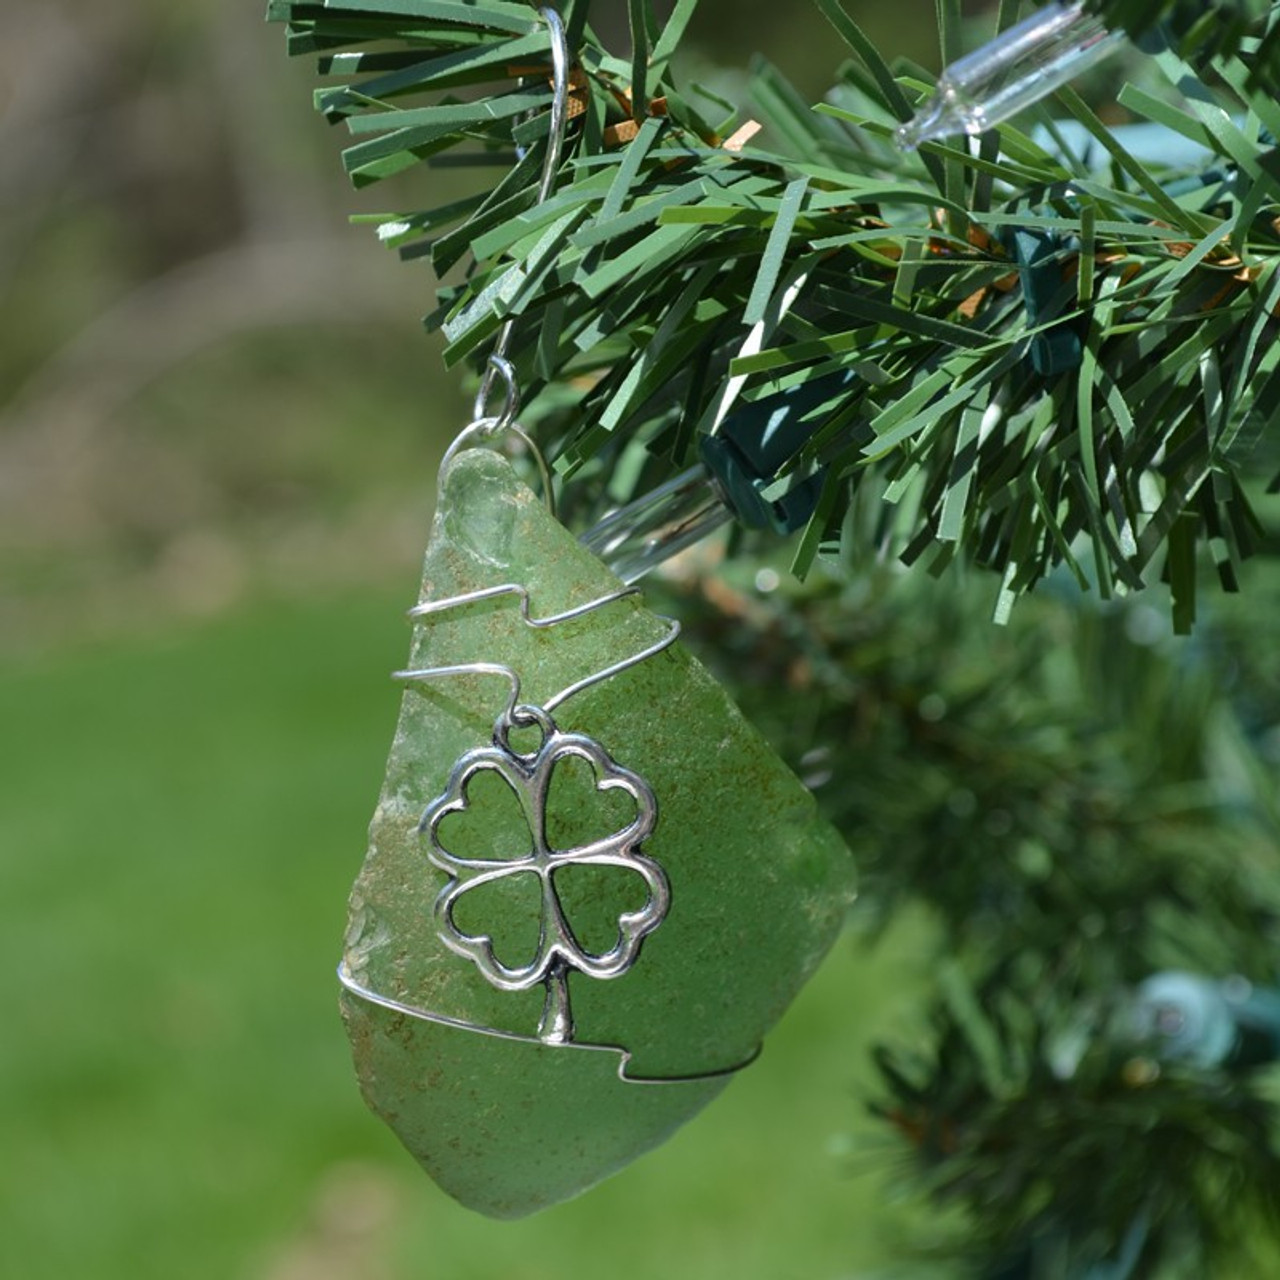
<point>183,815</point>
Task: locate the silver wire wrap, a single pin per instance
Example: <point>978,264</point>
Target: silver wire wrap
<point>356,988</point>
<point>432,607</point>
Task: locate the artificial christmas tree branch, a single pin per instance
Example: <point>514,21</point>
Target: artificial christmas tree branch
<point>1203,30</point>
<point>1053,352</point>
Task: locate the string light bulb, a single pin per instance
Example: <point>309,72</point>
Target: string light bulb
<point>1016,69</point>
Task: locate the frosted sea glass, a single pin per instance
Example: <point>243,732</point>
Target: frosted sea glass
<point>759,881</point>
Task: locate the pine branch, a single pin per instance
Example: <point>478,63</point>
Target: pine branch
<point>1039,355</point>
<point>1076,804</point>
<point>1076,1149</point>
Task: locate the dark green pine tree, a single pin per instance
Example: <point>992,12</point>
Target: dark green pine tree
<point>1036,364</point>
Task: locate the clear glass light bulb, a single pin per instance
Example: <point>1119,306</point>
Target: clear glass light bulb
<point>1019,67</point>
<point>640,536</point>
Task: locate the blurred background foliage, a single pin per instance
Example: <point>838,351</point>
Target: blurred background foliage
<point>219,422</point>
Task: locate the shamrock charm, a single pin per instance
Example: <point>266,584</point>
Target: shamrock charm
<point>559,951</point>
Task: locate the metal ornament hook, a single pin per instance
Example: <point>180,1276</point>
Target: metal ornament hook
<point>550,168</point>
<point>486,423</point>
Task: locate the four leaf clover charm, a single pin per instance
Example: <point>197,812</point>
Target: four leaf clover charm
<point>559,951</point>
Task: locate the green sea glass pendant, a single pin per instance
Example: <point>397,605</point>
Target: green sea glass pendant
<point>591,886</point>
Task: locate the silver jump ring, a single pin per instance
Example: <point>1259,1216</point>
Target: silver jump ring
<point>506,416</point>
